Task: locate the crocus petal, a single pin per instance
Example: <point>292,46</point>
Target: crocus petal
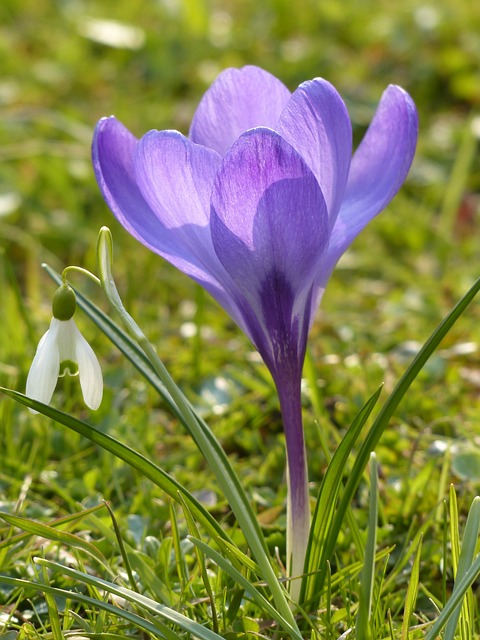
<point>269,228</point>
<point>238,100</point>
<point>43,375</point>
<point>120,167</point>
<point>316,123</point>
<point>379,168</point>
<point>113,152</point>
<point>90,373</point>
<point>175,177</point>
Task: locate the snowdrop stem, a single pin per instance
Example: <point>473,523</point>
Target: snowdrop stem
<point>81,270</point>
<point>298,505</point>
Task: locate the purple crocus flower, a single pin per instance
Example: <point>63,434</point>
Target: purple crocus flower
<point>257,205</point>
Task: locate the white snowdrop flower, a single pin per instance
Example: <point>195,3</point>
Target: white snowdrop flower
<point>64,350</point>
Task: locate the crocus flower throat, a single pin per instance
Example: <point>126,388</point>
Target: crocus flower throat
<point>257,205</point>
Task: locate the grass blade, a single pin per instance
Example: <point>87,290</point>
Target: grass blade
<point>382,420</point>
<point>367,577</point>
<point>156,628</point>
<point>467,554</point>
<point>199,431</point>
<point>255,595</point>
<point>128,455</point>
<point>412,592</point>
<point>138,599</point>
<point>325,506</point>
<point>458,593</point>
<point>51,533</point>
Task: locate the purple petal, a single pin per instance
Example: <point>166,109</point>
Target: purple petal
<point>118,166</point>
<point>269,228</point>
<point>379,168</point>
<point>316,123</point>
<point>238,100</point>
<point>175,177</point>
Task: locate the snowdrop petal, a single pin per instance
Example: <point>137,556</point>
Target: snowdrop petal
<point>43,375</point>
<point>238,100</point>
<point>90,373</point>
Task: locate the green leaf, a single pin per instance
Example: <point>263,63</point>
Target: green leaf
<point>382,420</point>
<point>142,601</point>
<point>155,627</point>
<point>458,593</point>
<point>128,455</point>
<point>255,595</point>
<point>316,560</point>
<point>465,560</point>
<point>149,364</point>
<point>367,577</point>
<point>70,518</point>
<point>412,592</point>
<point>51,533</point>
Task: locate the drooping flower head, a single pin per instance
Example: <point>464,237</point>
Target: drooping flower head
<point>63,350</point>
<point>257,205</point>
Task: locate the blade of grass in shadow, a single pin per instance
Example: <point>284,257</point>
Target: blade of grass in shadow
<point>121,546</point>
<point>467,554</point>
<point>381,422</point>
<point>197,428</point>
<point>327,500</point>
<point>367,577</point>
<point>193,531</point>
<point>254,594</point>
<point>156,628</point>
<point>412,592</point>
<point>458,593</point>
<point>128,455</point>
<point>138,599</point>
<point>51,533</point>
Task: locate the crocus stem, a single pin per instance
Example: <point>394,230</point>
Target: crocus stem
<point>298,506</point>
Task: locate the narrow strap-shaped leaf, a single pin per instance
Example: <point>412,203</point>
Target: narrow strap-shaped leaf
<point>203,437</point>
<point>467,554</point>
<point>255,595</point>
<point>156,627</point>
<point>51,533</point>
<point>58,522</point>
<point>367,577</point>
<point>412,592</point>
<point>128,455</point>
<point>326,503</point>
<point>187,624</point>
<point>383,418</point>
<point>461,588</point>
<point>192,528</point>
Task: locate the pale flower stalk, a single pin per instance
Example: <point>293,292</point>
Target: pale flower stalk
<point>63,350</point>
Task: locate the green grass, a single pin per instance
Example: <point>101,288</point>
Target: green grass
<point>401,277</point>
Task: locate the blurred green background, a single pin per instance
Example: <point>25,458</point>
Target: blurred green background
<point>65,64</point>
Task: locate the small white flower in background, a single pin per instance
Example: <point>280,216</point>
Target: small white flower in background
<point>64,350</point>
